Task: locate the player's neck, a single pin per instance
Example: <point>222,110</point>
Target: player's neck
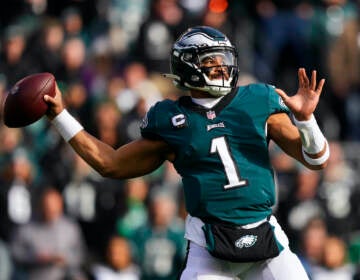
<point>200,94</point>
<point>208,102</point>
<point>204,99</point>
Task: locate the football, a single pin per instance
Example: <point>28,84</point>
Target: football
<point>24,103</point>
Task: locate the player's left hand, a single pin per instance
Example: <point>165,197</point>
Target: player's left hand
<point>304,102</point>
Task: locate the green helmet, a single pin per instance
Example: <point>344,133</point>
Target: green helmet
<point>188,52</point>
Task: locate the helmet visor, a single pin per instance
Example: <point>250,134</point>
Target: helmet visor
<point>216,58</point>
<point>219,67</point>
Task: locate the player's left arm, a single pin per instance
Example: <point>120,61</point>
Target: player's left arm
<point>286,135</point>
<point>304,141</point>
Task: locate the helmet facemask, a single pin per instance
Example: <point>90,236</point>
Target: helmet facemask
<point>218,68</point>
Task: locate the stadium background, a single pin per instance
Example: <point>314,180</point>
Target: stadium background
<point>108,56</point>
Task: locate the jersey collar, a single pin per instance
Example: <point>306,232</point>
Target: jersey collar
<point>187,102</point>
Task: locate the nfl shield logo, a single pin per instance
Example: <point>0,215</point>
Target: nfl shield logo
<point>210,115</point>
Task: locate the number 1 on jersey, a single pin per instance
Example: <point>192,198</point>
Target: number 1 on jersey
<point>221,147</point>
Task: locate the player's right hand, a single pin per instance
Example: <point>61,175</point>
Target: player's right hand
<point>56,105</point>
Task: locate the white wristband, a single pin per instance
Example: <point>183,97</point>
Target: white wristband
<point>312,139</point>
<point>320,160</point>
<point>66,125</point>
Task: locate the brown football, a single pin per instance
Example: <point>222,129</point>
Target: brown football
<point>24,103</point>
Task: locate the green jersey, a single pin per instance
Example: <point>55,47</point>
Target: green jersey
<point>222,152</point>
<point>160,246</point>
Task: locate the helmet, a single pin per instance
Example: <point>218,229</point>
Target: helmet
<point>203,58</point>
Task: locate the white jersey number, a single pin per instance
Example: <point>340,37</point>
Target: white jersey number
<point>221,147</point>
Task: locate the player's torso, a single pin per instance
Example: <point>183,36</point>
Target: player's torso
<point>222,156</point>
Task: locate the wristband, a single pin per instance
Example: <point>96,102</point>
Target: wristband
<point>317,161</point>
<point>312,139</point>
<point>66,125</point>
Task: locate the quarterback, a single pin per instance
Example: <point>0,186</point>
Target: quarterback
<point>217,139</point>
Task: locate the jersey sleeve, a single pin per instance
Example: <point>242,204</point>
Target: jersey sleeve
<point>156,125</point>
<point>276,104</point>
<point>148,126</point>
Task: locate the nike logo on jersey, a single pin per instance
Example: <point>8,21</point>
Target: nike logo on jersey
<point>215,125</point>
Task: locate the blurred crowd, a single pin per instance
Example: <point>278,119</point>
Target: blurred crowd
<point>60,220</point>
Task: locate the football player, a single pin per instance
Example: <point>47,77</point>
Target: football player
<point>217,139</point>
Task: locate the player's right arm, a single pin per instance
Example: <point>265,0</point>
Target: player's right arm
<point>134,159</point>
<point>131,160</point>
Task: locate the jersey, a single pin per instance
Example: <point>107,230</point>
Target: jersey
<point>164,264</point>
<point>222,152</point>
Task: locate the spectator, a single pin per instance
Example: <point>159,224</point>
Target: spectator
<point>115,85</point>
<point>48,45</point>
<point>134,75</point>
<point>124,29</point>
<point>334,264</point>
<point>339,193</point>
<point>10,139</point>
<point>302,204</point>
<point>80,200</point>
<point>52,246</point>
<point>118,264</point>
<point>73,59</point>
<point>94,202</point>
<point>135,99</point>
<point>101,66</point>
<point>17,192</point>
<point>73,23</point>
<point>165,23</point>
<point>15,63</point>
<point>283,31</point>
<point>313,240</point>
<point>78,101</point>
<point>159,244</point>
<point>336,26</point>
<point>106,123</point>
<point>344,55</point>
<point>136,213</point>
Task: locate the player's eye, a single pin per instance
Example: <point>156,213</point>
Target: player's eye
<point>210,61</point>
<point>209,69</point>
